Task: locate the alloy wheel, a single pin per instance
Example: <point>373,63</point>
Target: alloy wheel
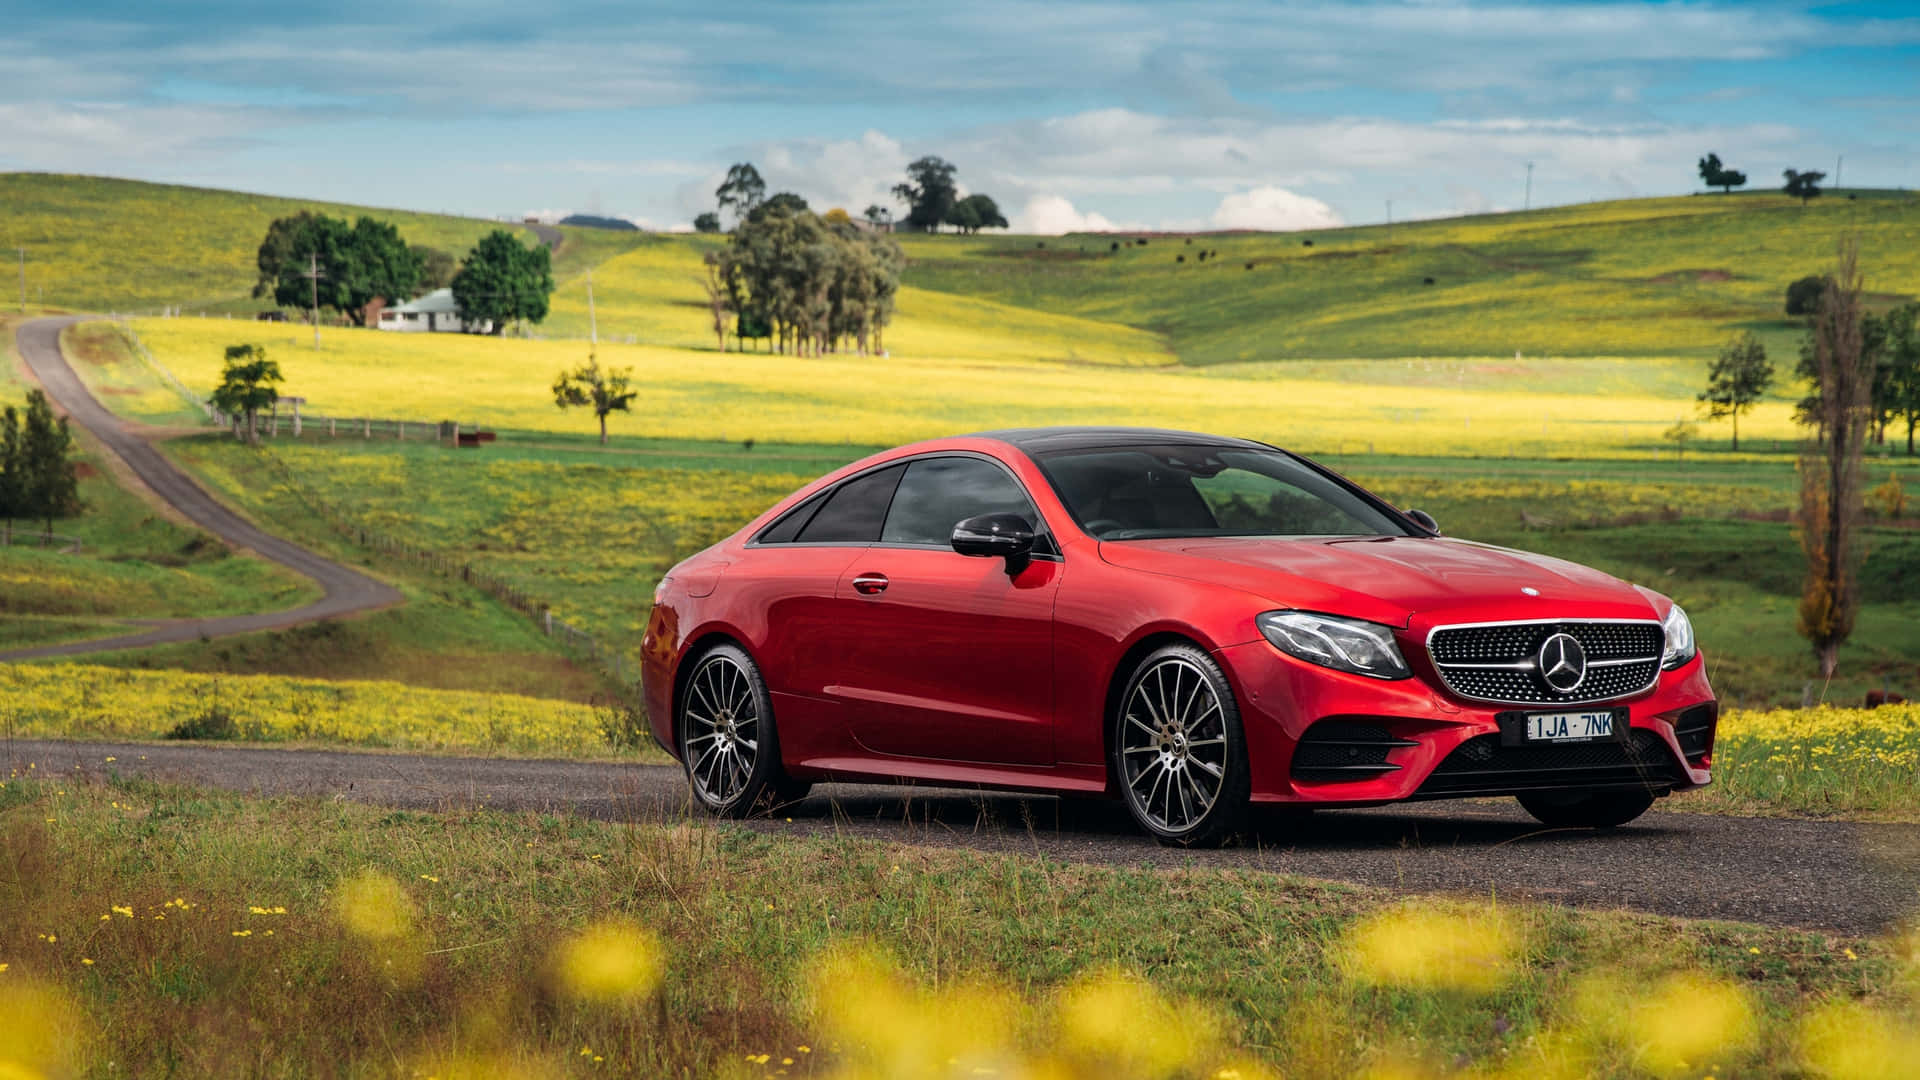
<point>722,729</point>
<point>1173,745</point>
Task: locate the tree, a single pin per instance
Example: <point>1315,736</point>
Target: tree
<point>975,212</point>
<point>1803,296</point>
<point>1830,485</point>
<point>708,222</point>
<point>741,191</point>
<point>247,386</point>
<point>49,481</point>
<point>877,215</point>
<point>356,264</point>
<point>1803,185</point>
<point>719,302</point>
<point>13,481</point>
<point>1736,380</point>
<point>810,285</point>
<point>1715,175</point>
<point>928,192</point>
<point>588,384</point>
<point>503,280</point>
<point>782,202</point>
<point>1902,364</point>
<point>436,269</point>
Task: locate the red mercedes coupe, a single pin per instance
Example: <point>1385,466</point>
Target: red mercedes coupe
<point>1188,622</point>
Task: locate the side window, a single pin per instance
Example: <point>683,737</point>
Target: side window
<point>853,512</point>
<point>789,524</point>
<point>938,492</point>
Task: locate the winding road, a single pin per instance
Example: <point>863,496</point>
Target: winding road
<point>345,591</point>
<point>1838,877</point>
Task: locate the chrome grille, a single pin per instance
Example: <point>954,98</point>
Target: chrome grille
<point>1498,662</point>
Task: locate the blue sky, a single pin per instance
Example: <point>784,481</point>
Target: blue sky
<point>1166,115</point>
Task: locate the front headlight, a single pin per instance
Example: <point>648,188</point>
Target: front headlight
<point>1680,644</point>
<point>1343,644</point>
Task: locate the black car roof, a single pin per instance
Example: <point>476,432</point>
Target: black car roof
<point>1044,439</point>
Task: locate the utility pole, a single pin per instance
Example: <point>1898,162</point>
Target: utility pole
<point>1528,203</point>
<point>313,276</point>
<point>593,324</point>
<point>1837,162</point>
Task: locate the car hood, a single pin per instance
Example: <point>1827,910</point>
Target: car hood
<point>1390,580</point>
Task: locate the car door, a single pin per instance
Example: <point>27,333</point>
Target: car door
<point>948,656</point>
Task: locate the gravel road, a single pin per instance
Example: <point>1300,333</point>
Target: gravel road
<point>346,591</point>
<point>1853,879</point>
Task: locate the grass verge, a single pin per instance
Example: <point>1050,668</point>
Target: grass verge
<point>175,931</point>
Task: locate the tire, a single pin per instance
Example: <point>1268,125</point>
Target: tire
<point>1586,809</point>
<point>1177,751</point>
<point>729,746</point>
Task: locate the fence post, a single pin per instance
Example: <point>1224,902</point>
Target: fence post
<point>332,431</point>
<point>400,430</point>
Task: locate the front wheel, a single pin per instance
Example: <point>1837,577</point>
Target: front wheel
<point>1178,751</point>
<point>1586,809</point>
<point>727,738</point>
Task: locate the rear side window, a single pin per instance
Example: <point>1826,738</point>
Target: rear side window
<point>855,510</point>
<point>938,493</point>
<point>784,530</point>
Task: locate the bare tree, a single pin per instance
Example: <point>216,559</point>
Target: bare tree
<point>1830,484</point>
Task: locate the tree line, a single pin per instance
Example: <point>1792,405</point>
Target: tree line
<point>808,284</point>
<point>930,192</point>
<point>1804,186</point>
<point>312,260</point>
<point>38,477</point>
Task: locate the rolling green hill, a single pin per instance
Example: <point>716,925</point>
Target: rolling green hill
<point>98,244</point>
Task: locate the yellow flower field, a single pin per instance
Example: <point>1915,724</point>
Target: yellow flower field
<point>686,393</point>
<point>1823,759</point>
<point>85,701</point>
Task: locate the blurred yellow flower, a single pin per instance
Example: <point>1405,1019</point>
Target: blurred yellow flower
<point>610,962</point>
<point>1422,946</point>
<point>1689,1019</point>
<point>373,906</point>
<point>40,1030</point>
<point>1123,1020</point>
<point>1850,1041</point>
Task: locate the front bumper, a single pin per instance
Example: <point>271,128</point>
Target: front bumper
<point>1322,737</point>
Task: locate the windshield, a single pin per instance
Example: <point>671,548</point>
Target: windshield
<point>1149,492</point>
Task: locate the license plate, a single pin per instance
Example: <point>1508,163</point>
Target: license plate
<point>1562,727</point>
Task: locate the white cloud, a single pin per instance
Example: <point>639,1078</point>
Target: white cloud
<point>1273,209</point>
<point>1051,215</point>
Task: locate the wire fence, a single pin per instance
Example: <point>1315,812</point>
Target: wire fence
<point>576,641</point>
<point>61,542</point>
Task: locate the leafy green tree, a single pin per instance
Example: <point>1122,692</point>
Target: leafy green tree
<point>1736,380</point>
<point>1803,296</point>
<point>1715,175</point>
<point>13,477</point>
<point>49,480</point>
<point>380,266</point>
<point>247,384</point>
<point>808,284</point>
<point>976,212</point>
<point>708,222</point>
<point>741,191</point>
<point>780,202</point>
<point>589,385</point>
<point>1804,186</point>
<point>356,263</point>
<point>928,192</point>
<point>503,280</point>
<point>436,269</point>
<point>1902,364</point>
<point>719,302</point>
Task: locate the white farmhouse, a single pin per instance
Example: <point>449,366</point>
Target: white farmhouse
<point>434,312</point>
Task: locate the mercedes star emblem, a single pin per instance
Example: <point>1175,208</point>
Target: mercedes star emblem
<point>1563,663</point>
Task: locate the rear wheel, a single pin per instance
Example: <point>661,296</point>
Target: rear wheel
<point>727,738</point>
<point>1178,752</point>
<point>1586,809</point>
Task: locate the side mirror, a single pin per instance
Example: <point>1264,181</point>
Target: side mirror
<point>1425,520</point>
<point>1005,536</point>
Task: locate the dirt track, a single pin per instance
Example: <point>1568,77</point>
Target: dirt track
<point>1835,876</point>
<point>346,591</point>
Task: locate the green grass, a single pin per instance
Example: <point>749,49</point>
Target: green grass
<point>1645,277</point>
<point>479,906</point>
<point>99,244</point>
<point>107,359</point>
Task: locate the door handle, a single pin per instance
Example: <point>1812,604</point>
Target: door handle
<point>870,584</point>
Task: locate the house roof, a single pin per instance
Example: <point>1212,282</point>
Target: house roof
<point>439,301</point>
